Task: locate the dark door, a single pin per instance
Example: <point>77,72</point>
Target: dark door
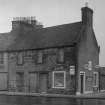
<point>20,82</point>
<point>82,82</point>
<point>43,83</point>
<point>3,81</point>
<point>33,82</point>
<point>102,82</point>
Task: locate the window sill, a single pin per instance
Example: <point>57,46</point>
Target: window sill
<point>58,87</point>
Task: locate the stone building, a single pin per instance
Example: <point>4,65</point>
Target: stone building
<point>59,59</point>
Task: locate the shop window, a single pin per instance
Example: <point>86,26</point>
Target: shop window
<point>1,58</point>
<point>95,78</point>
<point>20,59</point>
<point>59,79</point>
<point>60,56</point>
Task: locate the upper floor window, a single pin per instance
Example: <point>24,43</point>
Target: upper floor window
<point>28,53</point>
<point>1,58</point>
<point>20,59</point>
<point>60,56</point>
<point>39,57</point>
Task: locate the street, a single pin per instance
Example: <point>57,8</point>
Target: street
<point>29,100</point>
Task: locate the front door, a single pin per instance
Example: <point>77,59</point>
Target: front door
<point>20,82</point>
<point>82,81</point>
<point>3,81</point>
<point>33,82</point>
<point>43,82</point>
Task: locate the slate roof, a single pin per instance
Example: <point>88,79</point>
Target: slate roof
<point>61,35</point>
<point>6,40</point>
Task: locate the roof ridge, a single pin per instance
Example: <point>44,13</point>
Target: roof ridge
<point>63,24</point>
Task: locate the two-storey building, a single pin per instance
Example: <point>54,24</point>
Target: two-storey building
<point>59,59</point>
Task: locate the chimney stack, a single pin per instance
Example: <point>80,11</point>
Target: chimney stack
<point>25,22</point>
<point>87,15</point>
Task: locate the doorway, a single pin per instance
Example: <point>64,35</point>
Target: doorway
<point>82,82</point>
<point>43,82</point>
<point>33,82</point>
<point>20,81</point>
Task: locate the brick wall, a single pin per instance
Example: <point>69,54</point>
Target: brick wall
<point>4,72</point>
<point>48,65</point>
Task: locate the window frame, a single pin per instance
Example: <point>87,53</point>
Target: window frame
<point>22,57</point>
<point>60,53</point>
<point>53,79</point>
<point>1,58</point>
<point>38,57</point>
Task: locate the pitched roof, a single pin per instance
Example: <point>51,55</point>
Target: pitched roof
<point>55,36</point>
<point>61,35</point>
<point>6,40</point>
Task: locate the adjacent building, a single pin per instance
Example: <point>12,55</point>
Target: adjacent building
<point>59,59</point>
<point>102,79</point>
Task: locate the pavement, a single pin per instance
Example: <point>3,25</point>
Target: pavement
<point>97,95</point>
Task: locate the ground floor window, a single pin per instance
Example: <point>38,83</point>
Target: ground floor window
<point>95,78</point>
<point>59,79</point>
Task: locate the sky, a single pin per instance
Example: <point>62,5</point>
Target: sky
<point>55,12</point>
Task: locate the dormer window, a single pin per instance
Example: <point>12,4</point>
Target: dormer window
<point>60,56</point>
<point>1,58</point>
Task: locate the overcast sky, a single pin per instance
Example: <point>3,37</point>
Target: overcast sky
<point>55,12</point>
